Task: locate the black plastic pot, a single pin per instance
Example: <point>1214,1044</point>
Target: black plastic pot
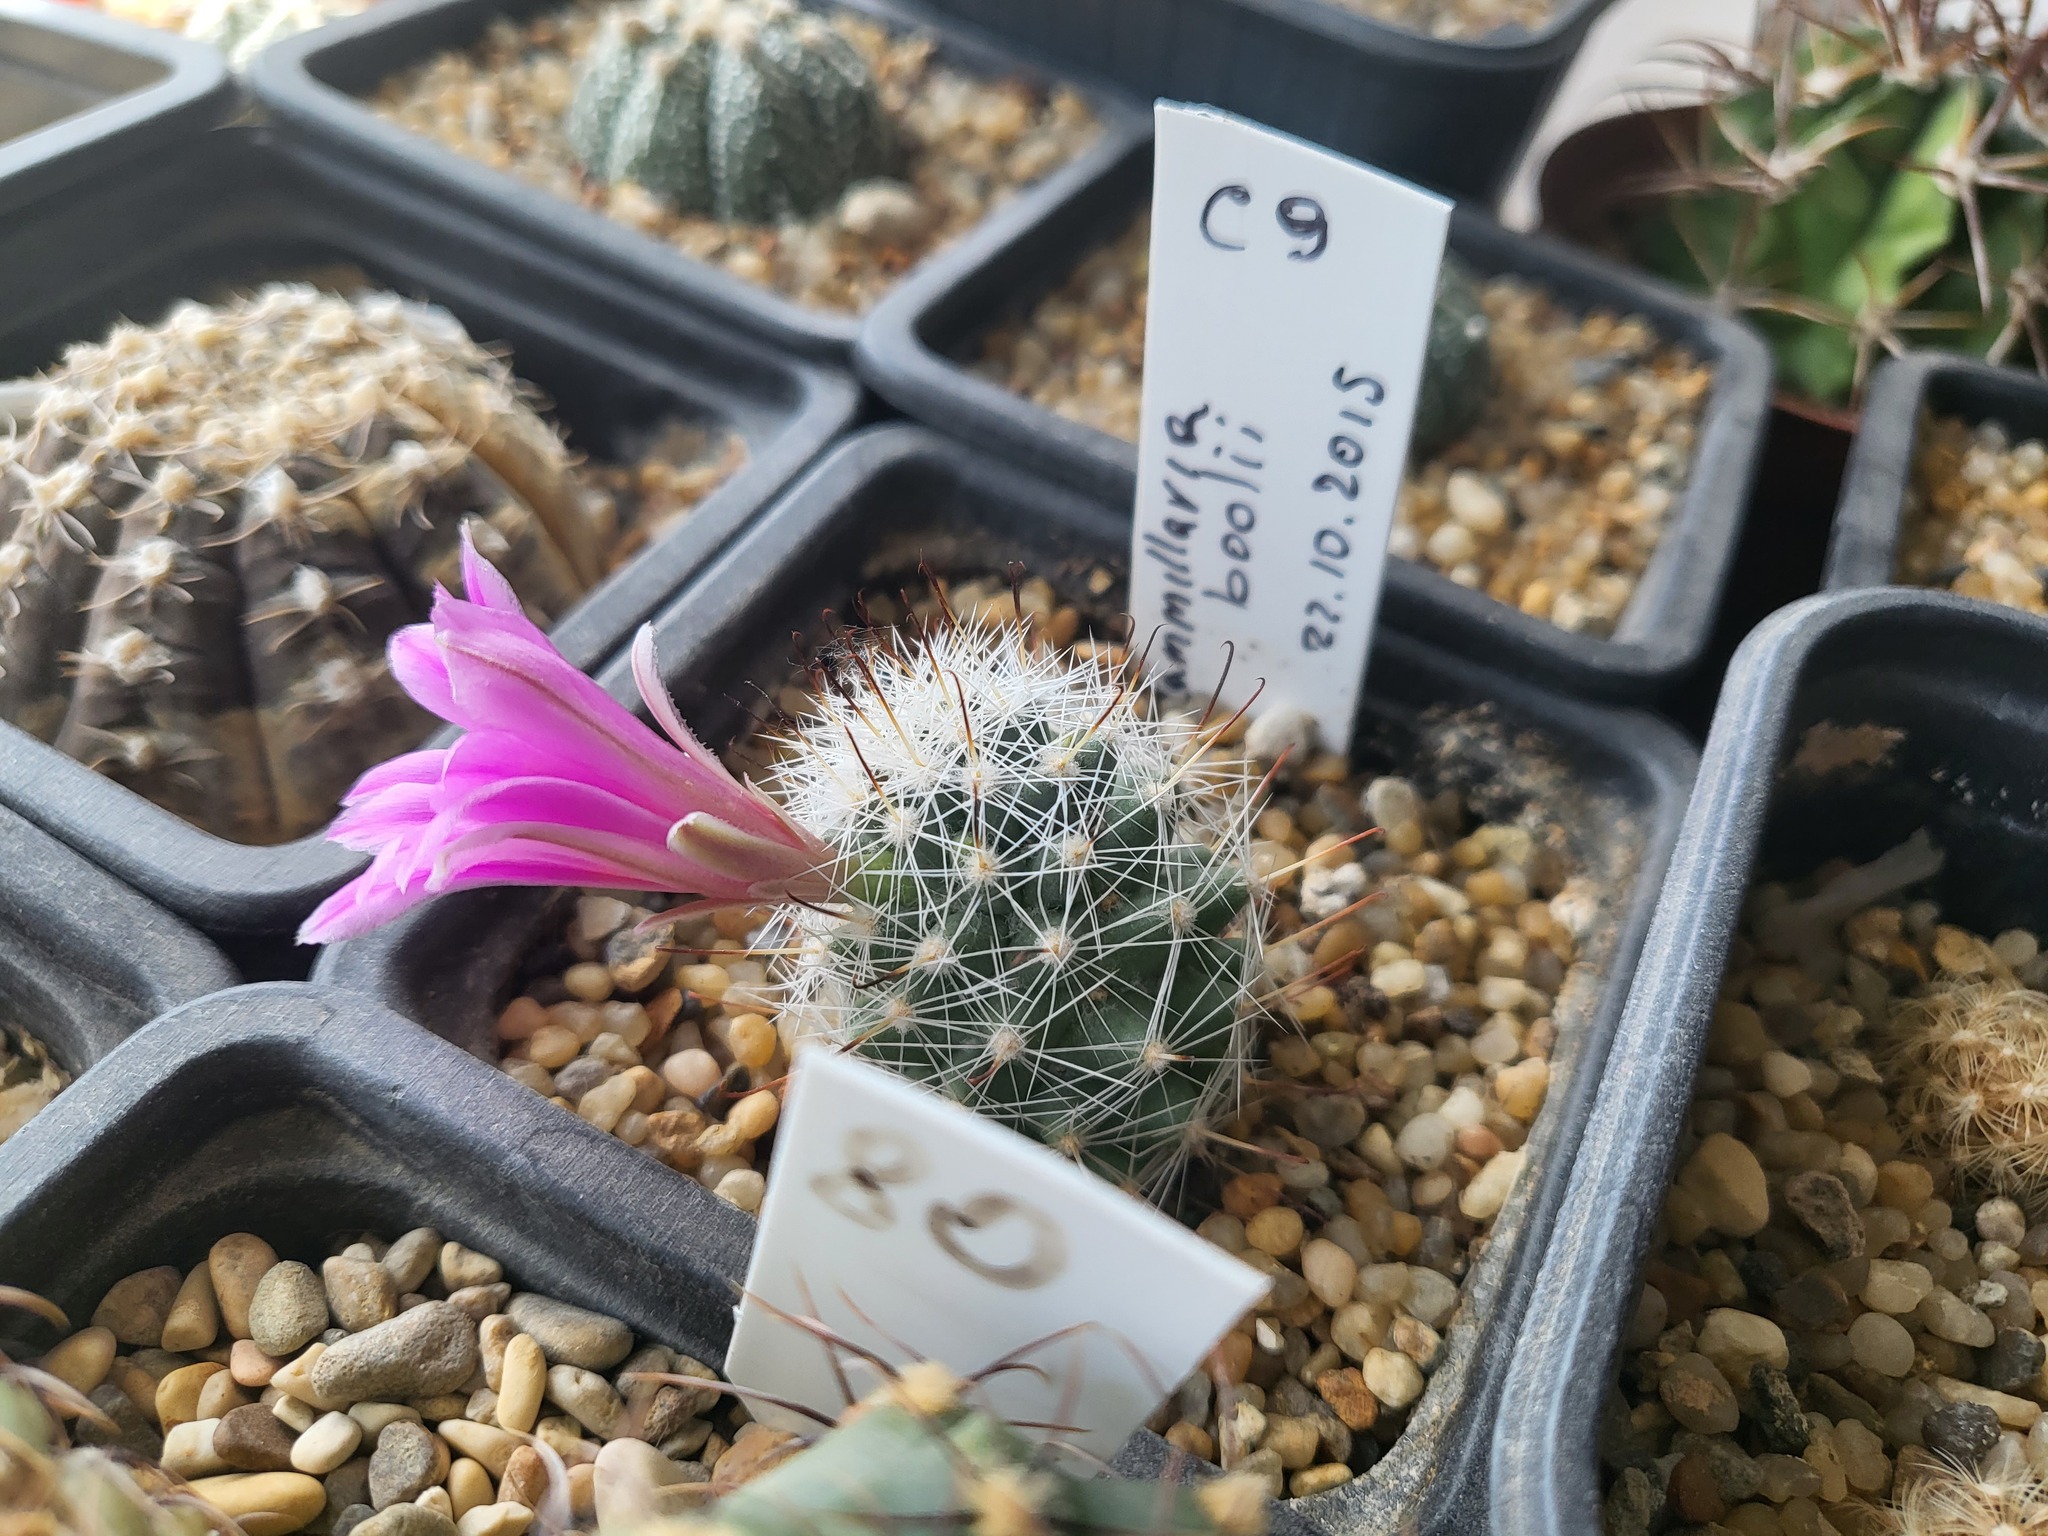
<point>913,347</point>
<point>1967,685</point>
<point>1863,549</point>
<point>1451,115</point>
<point>80,92</point>
<point>237,207</point>
<point>867,514</point>
<point>314,82</point>
<point>85,961</point>
<point>296,1113</point>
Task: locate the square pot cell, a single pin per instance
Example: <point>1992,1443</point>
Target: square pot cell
<point>319,85</point>
<point>296,1113</point>
<point>918,348</point>
<point>866,516</point>
<point>84,960</point>
<point>1849,722</point>
<point>1867,543</point>
<point>236,209</point>
<point>80,92</point>
<point>1451,113</point>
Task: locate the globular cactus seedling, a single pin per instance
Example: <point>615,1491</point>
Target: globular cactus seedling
<point>751,111</point>
<point>50,1486</point>
<point>210,527</point>
<point>1865,186</point>
<point>2004,1497</point>
<point>1047,910</point>
<point>1969,1062</point>
<point>916,1454</point>
<point>1457,370</point>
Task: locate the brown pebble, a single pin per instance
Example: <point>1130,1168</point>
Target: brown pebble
<point>194,1320</point>
<point>1695,1498</point>
<point>135,1310</point>
<point>754,1450</point>
<point>250,1366</point>
<point>237,1264</point>
<point>525,1480</point>
<point>1349,1397</point>
<point>253,1439</point>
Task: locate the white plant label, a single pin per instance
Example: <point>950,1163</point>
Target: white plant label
<point>915,1229</point>
<point>1287,320</point>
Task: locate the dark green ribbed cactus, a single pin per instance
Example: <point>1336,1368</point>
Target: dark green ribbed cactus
<point>1049,911</point>
<point>915,1456</point>
<point>209,529</point>
<point>1457,370</point>
<point>1863,186</point>
<point>751,111</point>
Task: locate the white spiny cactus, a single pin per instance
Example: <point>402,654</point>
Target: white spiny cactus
<point>1049,908</point>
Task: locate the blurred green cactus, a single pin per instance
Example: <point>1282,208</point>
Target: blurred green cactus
<point>50,1486</point>
<point>916,1455</point>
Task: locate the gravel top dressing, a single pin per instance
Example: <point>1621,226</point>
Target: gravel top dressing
<point>1455,20</point>
<point>1553,503</point>
<point>390,1388</point>
<point>1977,515</point>
<point>1844,1305</point>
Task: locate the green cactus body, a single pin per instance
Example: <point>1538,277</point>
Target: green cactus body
<point>1457,370</point>
<point>1852,199</point>
<point>209,530</point>
<point>52,1487</point>
<point>751,111</point>
<point>1049,911</point>
<point>914,1456</point>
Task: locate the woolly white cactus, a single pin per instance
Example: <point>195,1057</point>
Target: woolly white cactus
<point>210,527</point>
<point>1049,912</point>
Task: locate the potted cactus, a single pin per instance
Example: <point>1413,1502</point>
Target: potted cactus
<point>1870,180</point>
<point>197,600</point>
<point>1847,951</point>
<point>781,163</point>
<point>1856,188</point>
<point>407,1327</point>
<point>1099,973</point>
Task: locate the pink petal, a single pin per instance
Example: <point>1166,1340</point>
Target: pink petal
<point>482,582</point>
<point>421,670</point>
<point>553,782</point>
<point>654,693</point>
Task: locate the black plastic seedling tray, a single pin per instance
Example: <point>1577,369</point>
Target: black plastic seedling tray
<point>314,84</point>
<point>916,347</point>
<point>867,514</point>
<point>1449,114</point>
<point>303,1114</point>
<point>1966,684</point>
<point>238,207</point>
<point>297,1113</point>
<point>84,960</point>
<point>1863,549</point>
<point>80,92</point>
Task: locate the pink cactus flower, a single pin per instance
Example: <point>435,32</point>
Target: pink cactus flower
<point>552,783</point>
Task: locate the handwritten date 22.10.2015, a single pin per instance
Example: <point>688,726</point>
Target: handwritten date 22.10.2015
<point>1331,546</point>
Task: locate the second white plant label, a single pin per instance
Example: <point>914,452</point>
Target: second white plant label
<point>1289,312</point>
